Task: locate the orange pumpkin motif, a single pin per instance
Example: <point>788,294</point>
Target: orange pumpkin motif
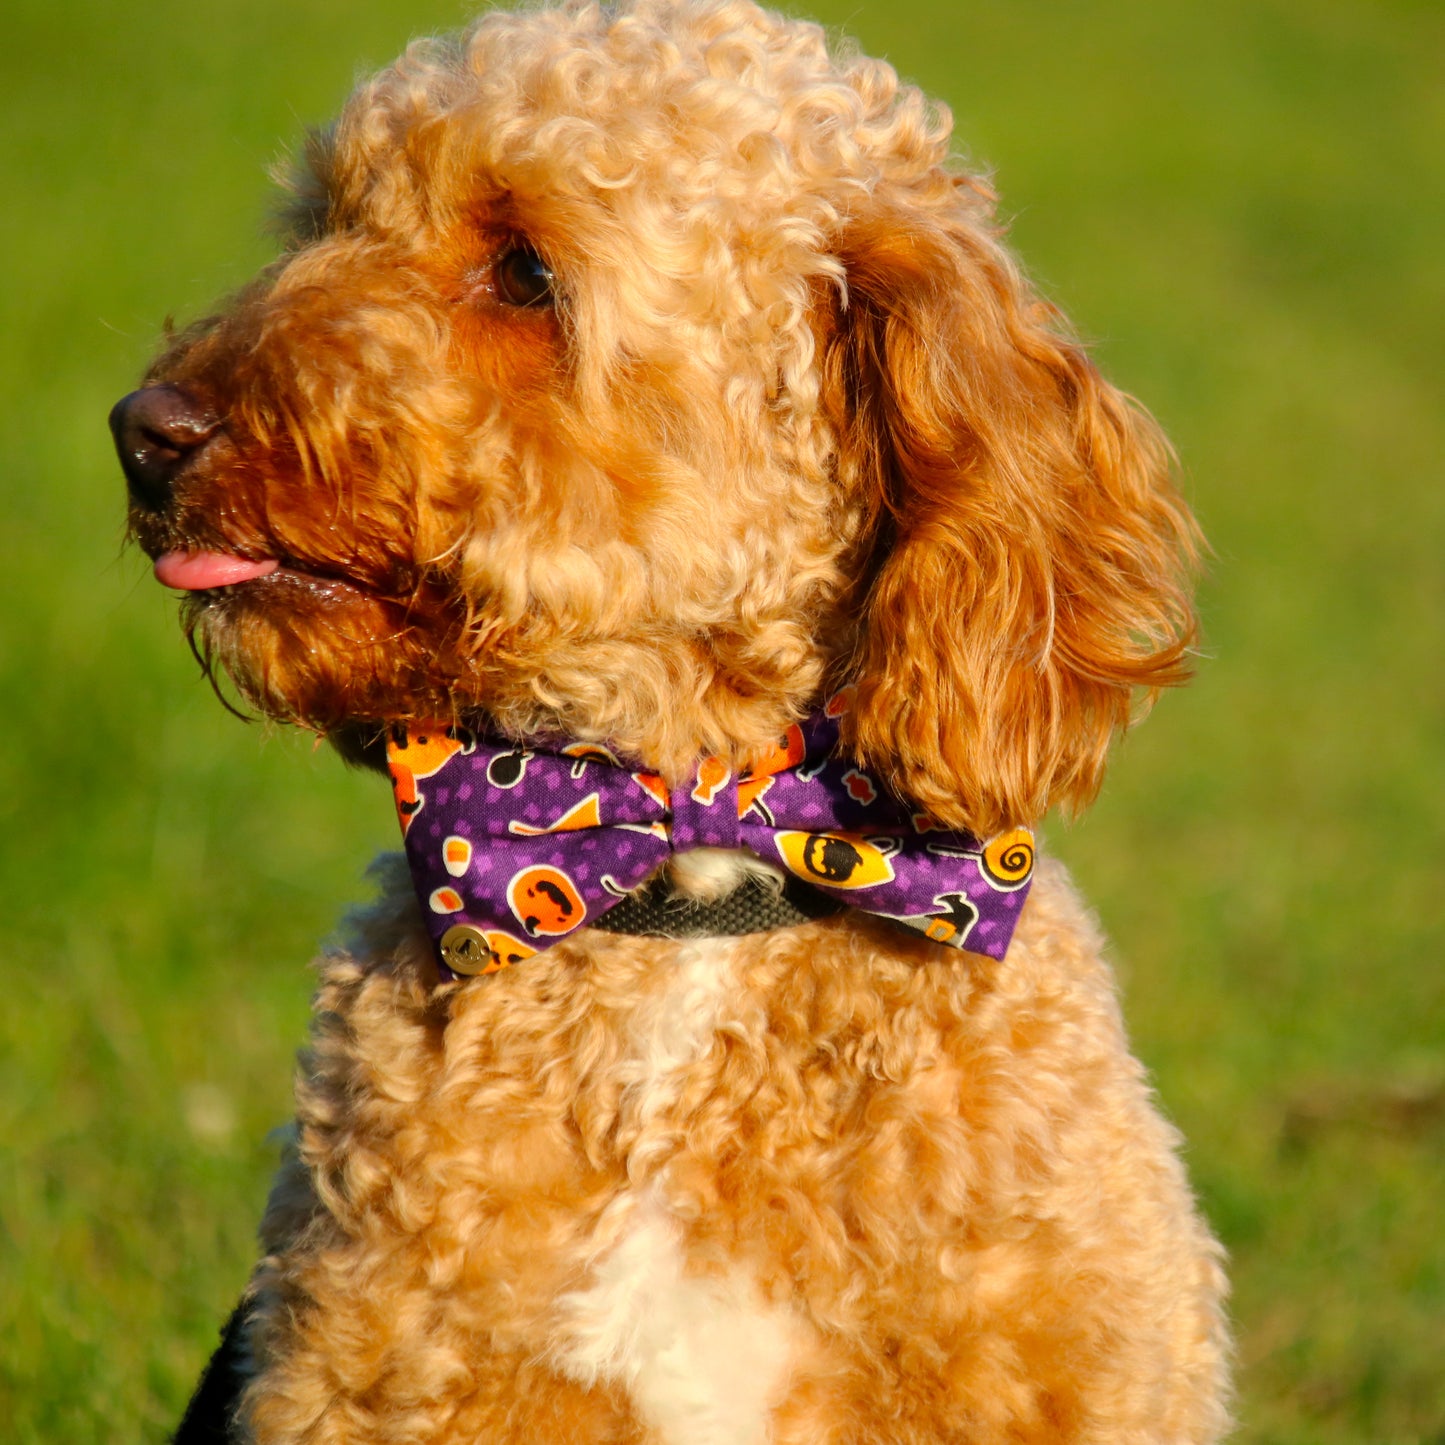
<point>546,902</point>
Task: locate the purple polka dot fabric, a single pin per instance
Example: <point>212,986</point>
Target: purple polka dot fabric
<point>521,845</point>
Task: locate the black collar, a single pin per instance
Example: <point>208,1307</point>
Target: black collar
<point>753,907</point>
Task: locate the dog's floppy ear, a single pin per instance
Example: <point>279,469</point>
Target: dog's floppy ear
<point>1031,558</point>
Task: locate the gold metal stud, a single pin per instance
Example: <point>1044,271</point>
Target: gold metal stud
<point>464,949</point>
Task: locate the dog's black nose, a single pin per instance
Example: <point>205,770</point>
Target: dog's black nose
<point>156,429</point>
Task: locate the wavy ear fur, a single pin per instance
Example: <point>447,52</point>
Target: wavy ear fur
<point>1032,557</point>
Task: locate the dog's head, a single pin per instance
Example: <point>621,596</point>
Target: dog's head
<point>638,372</point>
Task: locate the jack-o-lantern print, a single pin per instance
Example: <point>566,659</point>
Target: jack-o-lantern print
<point>837,860</point>
<point>545,901</point>
<point>505,949</point>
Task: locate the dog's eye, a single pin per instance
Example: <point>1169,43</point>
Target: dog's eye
<point>523,278</point>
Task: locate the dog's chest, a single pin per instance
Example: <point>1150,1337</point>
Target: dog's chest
<point>682,1328</point>
<point>695,1345</point>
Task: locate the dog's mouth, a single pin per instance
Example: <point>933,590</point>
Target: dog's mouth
<point>201,572</point>
<point>328,651</point>
<point>207,571</point>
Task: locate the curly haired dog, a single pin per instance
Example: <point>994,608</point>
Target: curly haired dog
<point>640,377</point>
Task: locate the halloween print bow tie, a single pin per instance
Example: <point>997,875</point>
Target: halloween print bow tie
<point>513,847</point>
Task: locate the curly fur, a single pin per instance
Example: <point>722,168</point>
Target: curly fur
<point>794,420</point>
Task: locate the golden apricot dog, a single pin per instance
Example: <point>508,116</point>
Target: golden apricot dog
<point>643,395</point>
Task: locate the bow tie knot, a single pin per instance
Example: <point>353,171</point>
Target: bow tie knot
<point>705,811</point>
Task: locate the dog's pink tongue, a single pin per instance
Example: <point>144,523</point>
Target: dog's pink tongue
<point>196,571</point>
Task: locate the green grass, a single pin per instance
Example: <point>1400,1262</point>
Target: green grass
<point>1242,201</point>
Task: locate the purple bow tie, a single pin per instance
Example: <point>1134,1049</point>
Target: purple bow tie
<point>512,847</point>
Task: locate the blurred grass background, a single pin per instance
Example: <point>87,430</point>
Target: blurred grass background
<point>1241,201</point>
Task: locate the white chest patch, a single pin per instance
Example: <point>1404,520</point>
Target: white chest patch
<point>703,1357</point>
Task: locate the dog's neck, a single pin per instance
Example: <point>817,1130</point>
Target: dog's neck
<point>513,847</point>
